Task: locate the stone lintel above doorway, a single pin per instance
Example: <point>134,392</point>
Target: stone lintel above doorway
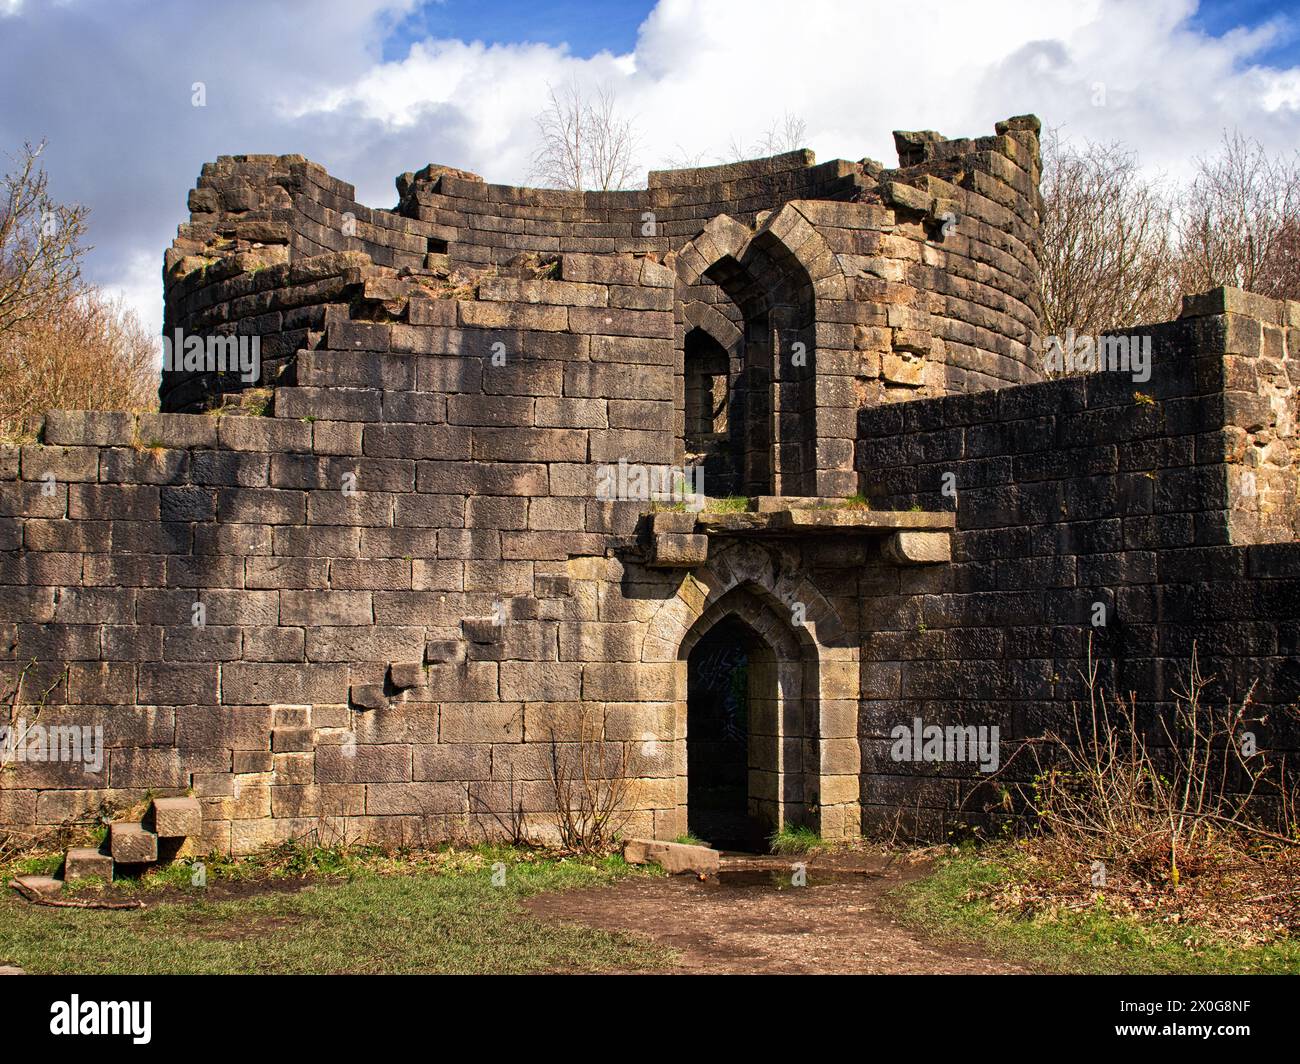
<point>680,539</point>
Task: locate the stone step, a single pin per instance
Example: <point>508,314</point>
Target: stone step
<point>177,818</point>
<point>130,843</point>
<point>47,886</point>
<point>673,857</point>
<point>85,862</point>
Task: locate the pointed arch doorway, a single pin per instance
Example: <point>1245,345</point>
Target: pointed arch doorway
<point>750,740</point>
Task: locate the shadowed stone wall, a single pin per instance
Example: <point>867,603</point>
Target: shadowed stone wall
<point>1077,498</point>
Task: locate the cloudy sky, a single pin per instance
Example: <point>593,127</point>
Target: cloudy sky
<point>370,88</point>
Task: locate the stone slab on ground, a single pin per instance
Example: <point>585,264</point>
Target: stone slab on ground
<point>673,857</point>
<point>44,885</point>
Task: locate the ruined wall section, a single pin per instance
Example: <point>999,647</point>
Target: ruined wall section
<point>404,576</point>
<point>1073,496</point>
<point>494,223</point>
<point>941,253</point>
<point>271,242</point>
<point>1259,340</point>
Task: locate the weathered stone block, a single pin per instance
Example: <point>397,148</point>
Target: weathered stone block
<point>673,857</point>
<point>288,740</point>
<point>132,844</point>
<point>86,862</point>
<point>675,551</point>
<point>175,818</point>
<point>45,886</point>
<point>919,548</point>
<point>89,428</point>
<point>407,674</point>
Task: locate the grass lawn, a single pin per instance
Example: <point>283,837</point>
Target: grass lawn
<point>377,915</point>
<point>1094,941</point>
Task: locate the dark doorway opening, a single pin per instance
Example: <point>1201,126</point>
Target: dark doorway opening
<point>721,672</point>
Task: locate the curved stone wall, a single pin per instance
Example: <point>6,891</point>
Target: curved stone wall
<point>940,254</point>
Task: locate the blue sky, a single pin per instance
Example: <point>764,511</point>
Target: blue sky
<point>590,26</point>
<point>585,26</point>
<point>1217,17</point>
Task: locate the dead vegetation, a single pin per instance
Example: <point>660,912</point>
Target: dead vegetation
<point>1121,247</point>
<point>64,344</point>
<point>590,786</point>
<point>1181,817</point>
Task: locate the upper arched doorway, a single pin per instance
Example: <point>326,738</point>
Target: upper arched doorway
<point>790,368</point>
<point>714,418</point>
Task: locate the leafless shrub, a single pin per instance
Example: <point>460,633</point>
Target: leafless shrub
<point>1161,803</point>
<point>24,713</point>
<point>1107,244</point>
<point>87,352</point>
<point>511,823</point>
<point>590,788</point>
<point>787,133</point>
<point>74,831</point>
<point>585,142</point>
<point>681,159</point>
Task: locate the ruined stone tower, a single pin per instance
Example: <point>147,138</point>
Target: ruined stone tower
<point>436,538</point>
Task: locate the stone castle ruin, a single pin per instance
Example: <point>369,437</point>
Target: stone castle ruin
<point>422,516</point>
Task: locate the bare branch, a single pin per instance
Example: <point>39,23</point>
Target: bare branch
<point>40,242</point>
<point>1107,254</point>
<point>1240,221</point>
<point>584,141</point>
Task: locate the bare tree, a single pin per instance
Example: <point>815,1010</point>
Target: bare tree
<point>1107,250</point>
<point>787,133</point>
<point>40,242</point>
<point>1240,221</point>
<point>585,142</point>
<point>63,343</point>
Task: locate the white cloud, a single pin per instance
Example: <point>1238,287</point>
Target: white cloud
<point>139,287</point>
<point>109,85</point>
<point>700,76</point>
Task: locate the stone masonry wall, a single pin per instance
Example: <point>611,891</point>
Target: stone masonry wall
<point>1068,494</point>
<point>353,553</point>
<point>382,592</point>
<point>398,503</point>
<point>941,254</point>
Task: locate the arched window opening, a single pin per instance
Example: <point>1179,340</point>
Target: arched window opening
<point>711,429</point>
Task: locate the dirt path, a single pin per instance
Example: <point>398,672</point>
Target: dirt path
<point>753,920</point>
